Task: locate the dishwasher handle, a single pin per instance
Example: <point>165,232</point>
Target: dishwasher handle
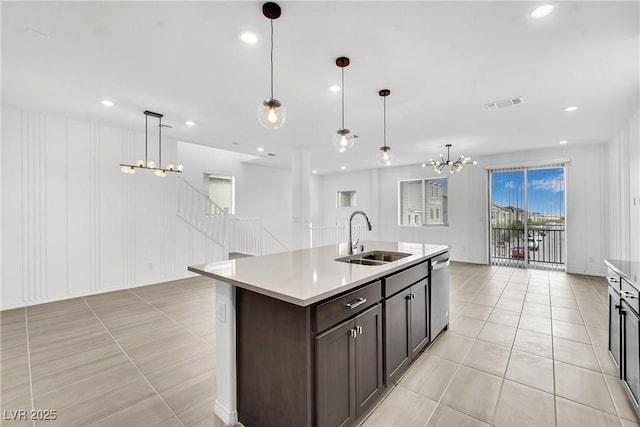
<point>440,263</point>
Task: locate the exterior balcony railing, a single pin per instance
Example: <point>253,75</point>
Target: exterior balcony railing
<point>542,247</point>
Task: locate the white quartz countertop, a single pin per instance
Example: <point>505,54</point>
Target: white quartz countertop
<point>306,276</point>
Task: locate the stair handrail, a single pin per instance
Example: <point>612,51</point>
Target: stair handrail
<point>202,194</point>
<point>282,245</point>
<point>216,232</point>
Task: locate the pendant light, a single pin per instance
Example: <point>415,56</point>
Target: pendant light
<point>271,113</point>
<point>385,156</point>
<point>150,164</point>
<point>343,139</point>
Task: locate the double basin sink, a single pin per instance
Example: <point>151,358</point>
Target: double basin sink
<point>373,257</point>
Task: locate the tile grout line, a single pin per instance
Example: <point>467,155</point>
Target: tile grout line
<point>174,320</point>
<point>465,356</point>
<point>26,328</point>
<point>553,357</point>
<point>132,362</point>
<point>506,368</point>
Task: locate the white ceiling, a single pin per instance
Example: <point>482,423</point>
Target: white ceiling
<point>442,62</point>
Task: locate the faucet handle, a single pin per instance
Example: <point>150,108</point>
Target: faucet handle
<point>355,244</point>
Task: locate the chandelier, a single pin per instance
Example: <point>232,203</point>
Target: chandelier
<point>150,164</point>
<point>454,165</point>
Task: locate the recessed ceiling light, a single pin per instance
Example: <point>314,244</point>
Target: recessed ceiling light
<point>248,37</point>
<point>542,11</point>
<point>564,141</point>
<point>334,88</point>
<point>314,171</point>
<point>260,149</point>
<point>571,109</point>
<point>343,167</point>
<point>190,123</point>
<point>106,103</point>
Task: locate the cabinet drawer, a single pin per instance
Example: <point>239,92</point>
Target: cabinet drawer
<point>334,311</point>
<point>397,282</point>
<point>629,294</point>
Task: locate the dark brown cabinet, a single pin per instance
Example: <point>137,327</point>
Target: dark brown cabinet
<point>349,368</point>
<point>624,332</point>
<point>631,350</point>
<point>406,328</point>
<point>615,336</point>
<point>397,318</point>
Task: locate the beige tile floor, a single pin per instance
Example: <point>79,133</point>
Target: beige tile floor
<point>138,357</point>
<point>524,348</point>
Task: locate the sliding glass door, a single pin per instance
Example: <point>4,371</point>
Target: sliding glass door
<point>527,212</point>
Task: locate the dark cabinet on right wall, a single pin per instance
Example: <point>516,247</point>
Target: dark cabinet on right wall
<point>624,331</point>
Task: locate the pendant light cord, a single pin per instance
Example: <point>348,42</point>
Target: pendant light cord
<point>384,119</point>
<point>342,89</point>
<point>160,142</point>
<point>271,58</point>
<point>146,133</point>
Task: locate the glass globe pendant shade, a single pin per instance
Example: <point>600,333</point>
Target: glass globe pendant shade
<point>385,155</point>
<point>343,140</point>
<point>272,114</point>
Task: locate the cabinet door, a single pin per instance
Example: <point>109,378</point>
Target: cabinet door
<point>419,317</point>
<point>631,351</point>
<point>335,376</point>
<point>369,384</point>
<point>614,326</point>
<point>397,338</point>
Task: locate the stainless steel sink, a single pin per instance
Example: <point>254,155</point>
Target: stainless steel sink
<point>373,257</point>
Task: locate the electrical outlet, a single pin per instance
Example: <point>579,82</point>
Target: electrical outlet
<point>221,312</point>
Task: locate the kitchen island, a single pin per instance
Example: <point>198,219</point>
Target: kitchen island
<point>316,341</point>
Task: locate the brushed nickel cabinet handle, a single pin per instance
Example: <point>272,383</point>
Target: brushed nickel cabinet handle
<point>353,304</point>
<point>359,329</point>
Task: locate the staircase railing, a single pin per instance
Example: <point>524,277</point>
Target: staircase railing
<point>248,236</point>
<point>202,213</point>
<point>244,235</point>
<point>333,234</point>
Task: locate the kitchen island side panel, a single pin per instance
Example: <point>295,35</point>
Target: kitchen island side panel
<point>274,362</point>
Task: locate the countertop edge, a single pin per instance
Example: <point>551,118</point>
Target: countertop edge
<point>325,295</point>
<point>618,270</point>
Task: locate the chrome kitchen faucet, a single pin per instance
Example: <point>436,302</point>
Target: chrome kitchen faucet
<point>352,245</point>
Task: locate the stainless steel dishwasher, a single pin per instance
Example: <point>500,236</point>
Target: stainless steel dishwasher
<point>439,294</point>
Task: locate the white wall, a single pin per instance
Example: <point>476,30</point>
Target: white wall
<point>261,192</point>
<point>73,224</point>
<point>623,193</point>
<point>467,233</point>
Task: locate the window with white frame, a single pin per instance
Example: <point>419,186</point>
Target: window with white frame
<point>423,202</point>
<point>222,191</point>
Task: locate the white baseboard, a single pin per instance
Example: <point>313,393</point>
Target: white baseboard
<point>228,417</point>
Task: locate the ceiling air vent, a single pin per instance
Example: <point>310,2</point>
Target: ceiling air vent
<point>504,103</point>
